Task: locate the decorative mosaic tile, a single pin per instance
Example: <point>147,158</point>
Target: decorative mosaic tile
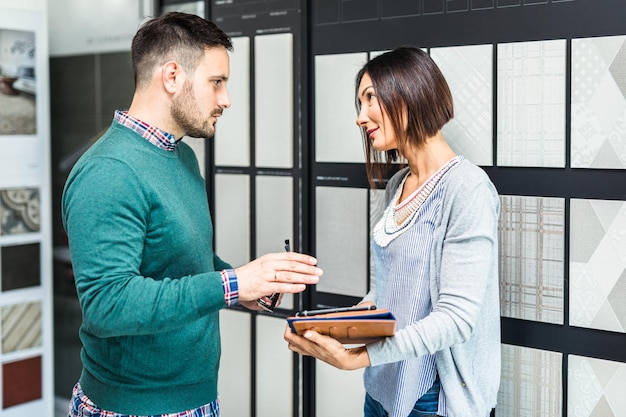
<point>531,104</point>
<point>21,326</point>
<point>531,383</point>
<point>468,70</point>
<point>20,266</point>
<point>531,232</point>
<point>595,387</point>
<point>19,211</point>
<point>598,264</point>
<point>21,382</point>
<point>599,102</point>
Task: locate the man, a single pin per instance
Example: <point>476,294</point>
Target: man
<point>135,211</point>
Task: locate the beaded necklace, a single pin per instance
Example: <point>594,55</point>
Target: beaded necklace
<point>403,210</point>
<point>398,217</point>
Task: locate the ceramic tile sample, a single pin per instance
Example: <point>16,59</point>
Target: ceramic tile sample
<point>342,239</point>
<point>274,218</point>
<point>598,264</point>
<point>234,363</point>
<point>19,211</point>
<point>531,383</point>
<point>21,326</point>
<point>599,102</point>
<point>232,218</point>
<point>377,207</point>
<point>531,104</point>
<point>273,399</point>
<point>274,213</point>
<point>337,137</point>
<point>532,247</point>
<point>20,266</point>
<point>595,387</point>
<point>337,392</point>
<point>21,382</point>
<point>468,70</point>
<point>274,101</point>
<point>232,131</point>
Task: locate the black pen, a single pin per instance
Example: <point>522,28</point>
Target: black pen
<point>309,313</point>
<point>274,297</point>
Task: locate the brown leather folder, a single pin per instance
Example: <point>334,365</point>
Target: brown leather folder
<point>351,327</point>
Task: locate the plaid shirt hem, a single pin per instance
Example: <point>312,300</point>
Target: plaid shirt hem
<point>82,406</point>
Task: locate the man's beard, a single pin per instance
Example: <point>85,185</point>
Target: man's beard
<point>185,113</point>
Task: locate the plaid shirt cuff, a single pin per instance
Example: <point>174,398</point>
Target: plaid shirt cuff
<point>231,288</point>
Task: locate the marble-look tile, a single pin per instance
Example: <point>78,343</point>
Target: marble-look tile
<point>469,72</point>
<point>531,232</point>
<point>531,104</point>
<point>531,383</point>
<point>19,211</point>
<point>598,264</point>
<point>21,326</point>
<point>595,387</point>
<point>599,102</point>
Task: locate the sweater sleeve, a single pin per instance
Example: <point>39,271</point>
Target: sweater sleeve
<point>106,215</point>
<point>461,266</point>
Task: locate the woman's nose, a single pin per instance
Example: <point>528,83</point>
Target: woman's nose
<point>361,118</point>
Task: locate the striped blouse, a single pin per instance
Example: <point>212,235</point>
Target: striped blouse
<point>402,269</point>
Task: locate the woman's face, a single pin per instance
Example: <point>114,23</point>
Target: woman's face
<point>373,118</point>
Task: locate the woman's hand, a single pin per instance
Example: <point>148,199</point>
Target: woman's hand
<point>327,349</point>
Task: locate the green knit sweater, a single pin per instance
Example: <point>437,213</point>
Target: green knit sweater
<point>140,238</point>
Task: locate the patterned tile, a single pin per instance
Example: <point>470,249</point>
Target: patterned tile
<point>599,102</point>
<point>21,382</point>
<point>531,383</point>
<point>531,231</point>
<point>531,104</point>
<point>595,387</point>
<point>598,264</point>
<point>21,326</point>
<point>468,70</point>
<point>19,211</point>
<point>20,266</point>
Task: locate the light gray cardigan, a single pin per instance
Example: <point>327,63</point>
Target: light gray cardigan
<point>463,329</point>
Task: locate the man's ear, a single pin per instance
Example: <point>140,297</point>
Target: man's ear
<point>172,76</point>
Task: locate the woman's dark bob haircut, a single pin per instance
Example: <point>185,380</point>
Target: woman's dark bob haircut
<point>414,94</point>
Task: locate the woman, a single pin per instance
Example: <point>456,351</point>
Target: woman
<point>435,252</point>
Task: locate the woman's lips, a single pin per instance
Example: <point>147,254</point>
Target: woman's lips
<point>370,132</point>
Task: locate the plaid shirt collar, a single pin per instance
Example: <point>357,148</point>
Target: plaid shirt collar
<point>154,135</point>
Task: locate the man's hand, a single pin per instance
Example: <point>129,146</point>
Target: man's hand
<point>285,272</point>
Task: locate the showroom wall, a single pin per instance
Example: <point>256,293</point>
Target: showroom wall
<point>26,353</point>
